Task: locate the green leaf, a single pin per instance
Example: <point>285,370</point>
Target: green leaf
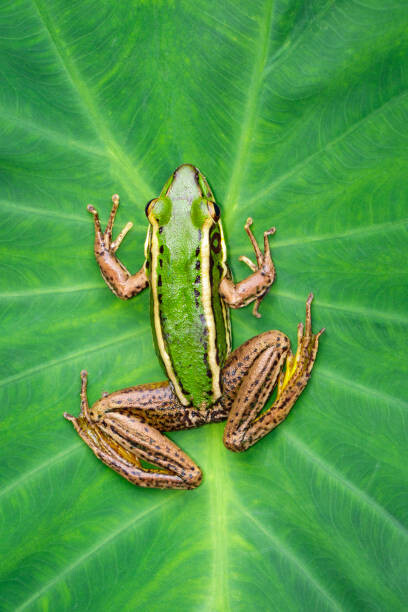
<point>296,111</point>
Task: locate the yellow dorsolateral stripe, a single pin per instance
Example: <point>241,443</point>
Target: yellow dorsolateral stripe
<point>147,242</point>
<point>224,307</point>
<point>206,295</point>
<point>160,341</point>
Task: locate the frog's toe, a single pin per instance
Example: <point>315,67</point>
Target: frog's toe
<point>69,417</point>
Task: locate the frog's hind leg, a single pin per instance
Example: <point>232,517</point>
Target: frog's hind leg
<point>121,439</point>
<point>263,363</point>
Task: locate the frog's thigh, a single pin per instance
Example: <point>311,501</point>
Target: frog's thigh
<point>118,432</point>
<point>248,360</point>
<point>249,377</point>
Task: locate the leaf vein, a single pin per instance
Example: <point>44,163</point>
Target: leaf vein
<point>114,151</point>
<point>291,557</point>
<point>352,128</point>
<point>249,116</point>
<point>39,468</point>
<point>49,291</point>
<point>92,551</point>
<point>355,310</point>
<point>359,388</point>
<point>346,484</point>
<point>54,362</point>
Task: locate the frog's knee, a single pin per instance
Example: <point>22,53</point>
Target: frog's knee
<point>276,339</point>
<point>99,409</point>
<point>194,477</point>
<point>235,442</point>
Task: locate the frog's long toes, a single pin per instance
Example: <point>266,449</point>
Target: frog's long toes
<point>309,299</point>
<point>91,209</point>
<point>69,417</point>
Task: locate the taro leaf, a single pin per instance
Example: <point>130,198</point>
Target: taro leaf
<point>296,110</point>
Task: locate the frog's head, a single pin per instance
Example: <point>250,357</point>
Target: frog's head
<point>187,182</point>
<point>185,193</point>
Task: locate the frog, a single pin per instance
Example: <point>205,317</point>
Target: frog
<point>191,293</point>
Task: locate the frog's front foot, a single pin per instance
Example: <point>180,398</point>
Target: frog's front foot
<point>122,438</point>
<point>264,262</point>
<point>103,240</point>
<point>256,286</point>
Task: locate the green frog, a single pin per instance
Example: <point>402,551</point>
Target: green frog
<point>191,291</point>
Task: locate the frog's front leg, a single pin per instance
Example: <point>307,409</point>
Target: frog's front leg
<point>257,285</point>
<point>259,365</point>
<point>124,427</point>
<point>117,277</point>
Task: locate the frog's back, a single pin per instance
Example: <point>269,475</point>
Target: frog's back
<point>187,261</point>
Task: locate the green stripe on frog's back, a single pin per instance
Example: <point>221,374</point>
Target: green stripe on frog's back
<point>190,325</point>
<point>154,263</point>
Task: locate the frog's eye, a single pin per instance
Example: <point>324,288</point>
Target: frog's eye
<point>214,210</point>
<point>159,210</point>
<point>149,207</point>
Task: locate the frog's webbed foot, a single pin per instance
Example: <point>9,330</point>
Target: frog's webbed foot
<point>299,366</point>
<point>121,440</point>
<point>83,424</point>
<point>246,422</point>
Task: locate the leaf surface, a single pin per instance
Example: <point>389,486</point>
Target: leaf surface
<point>296,111</point>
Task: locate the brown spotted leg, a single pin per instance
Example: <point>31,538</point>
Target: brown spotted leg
<point>117,277</point>
<point>257,285</point>
<point>120,429</point>
<point>260,374</point>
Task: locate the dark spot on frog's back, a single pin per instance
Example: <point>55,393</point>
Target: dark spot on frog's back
<point>161,248</point>
<point>159,280</point>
